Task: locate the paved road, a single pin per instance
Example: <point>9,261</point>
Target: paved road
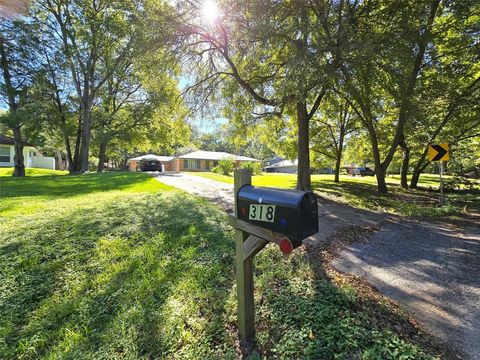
<point>433,270</point>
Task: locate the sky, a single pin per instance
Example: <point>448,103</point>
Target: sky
<point>209,126</point>
<point>203,124</point>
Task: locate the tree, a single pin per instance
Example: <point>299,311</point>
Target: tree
<point>330,128</point>
<point>275,53</point>
<point>86,31</point>
<point>384,69</point>
<point>118,93</point>
<point>449,90</point>
<point>17,63</point>
<point>55,94</point>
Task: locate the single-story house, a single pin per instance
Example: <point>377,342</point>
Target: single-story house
<point>284,166</point>
<point>194,161</point>
<point>280,165</point>
<point>33,158</point>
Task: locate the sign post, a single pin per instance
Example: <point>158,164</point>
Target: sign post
<point>439,152</point>
<point>442,200</point>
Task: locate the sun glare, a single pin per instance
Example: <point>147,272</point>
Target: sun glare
<point>210,11</point>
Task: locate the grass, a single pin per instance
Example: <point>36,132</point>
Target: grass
<point>362,192</point>
<point>33,172</point>
<point>117,265</point>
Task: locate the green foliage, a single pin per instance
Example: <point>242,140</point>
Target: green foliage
<point>217,170</point>
<point>254,166</point>
<point>224,167</point>
<point>306,316</point>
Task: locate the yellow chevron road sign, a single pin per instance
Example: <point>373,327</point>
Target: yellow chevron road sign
<point>438,152</point>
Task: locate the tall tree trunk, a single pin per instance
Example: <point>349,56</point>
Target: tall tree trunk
<point>101,156</point>
<point>380,171</point>
<point>338,154</point>
<point>417,171</point>
<point>86,132</point>
<point>381,183</point>
<point>18,161</point>
<point>69,161</point>
<point>76,155</point>
<point>337,165</point>
<point>66,139</point>
<point>303,172</point>
<point>405,164</point>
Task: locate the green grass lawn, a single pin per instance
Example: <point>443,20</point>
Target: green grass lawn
<point>117,265</point>
<point>33,172</point>
<point>362,192</point>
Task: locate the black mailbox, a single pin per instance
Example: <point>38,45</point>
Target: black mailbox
<point>288,212</point>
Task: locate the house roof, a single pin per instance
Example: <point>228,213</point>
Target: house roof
<point>7,140</point>
<point>152,157</point>
<point>214,155</point>
<point>284,163</point>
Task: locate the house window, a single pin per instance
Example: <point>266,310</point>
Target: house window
<point>191,164</point>
<point>4,154</point>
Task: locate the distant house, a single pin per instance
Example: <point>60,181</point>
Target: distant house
<point>194,161</point>
<point>33,158</point>
<point>282,166</point>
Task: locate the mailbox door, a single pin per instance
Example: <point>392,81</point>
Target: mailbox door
<point>308,216</point>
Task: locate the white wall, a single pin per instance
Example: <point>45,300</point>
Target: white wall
<point>32,158</point>
<point>43,162</point>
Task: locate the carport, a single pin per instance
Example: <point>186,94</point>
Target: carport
<point>165,160</point>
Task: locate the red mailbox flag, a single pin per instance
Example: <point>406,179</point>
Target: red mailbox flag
<point>286,246</point>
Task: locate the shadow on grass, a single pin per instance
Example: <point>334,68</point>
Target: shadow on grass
<point>302,312</point>
<point>68,185</point>
<point>413,202</point>
<point>147,276</point>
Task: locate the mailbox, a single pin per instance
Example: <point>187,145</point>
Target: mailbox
<point>288,212</point>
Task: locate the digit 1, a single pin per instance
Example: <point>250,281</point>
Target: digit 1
<point>261,211</point>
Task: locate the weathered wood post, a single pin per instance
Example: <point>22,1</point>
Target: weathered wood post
<point>244,267</point>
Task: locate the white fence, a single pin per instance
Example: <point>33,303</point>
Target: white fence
<point>43,162</point>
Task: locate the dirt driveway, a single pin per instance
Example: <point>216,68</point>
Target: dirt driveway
<point>431,269</point>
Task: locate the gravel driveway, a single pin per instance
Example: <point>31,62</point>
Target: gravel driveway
<point>215,191</point>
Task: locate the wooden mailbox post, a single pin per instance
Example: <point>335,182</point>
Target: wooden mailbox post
<point>244,265</point>
<point>251,238</point>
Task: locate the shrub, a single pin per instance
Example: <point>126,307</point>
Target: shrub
<point>255,167</point>
<point>217,170</point>
<point>224,167</point>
